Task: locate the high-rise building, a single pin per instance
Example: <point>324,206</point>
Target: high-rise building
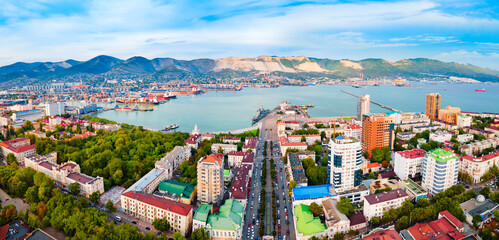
<point>210,179</point>
<point>449,114</point>
<point>346,161</point>
<point>432,105</point>
<point>376,132</point>
<point>440,169</point>
<point>363,106</point>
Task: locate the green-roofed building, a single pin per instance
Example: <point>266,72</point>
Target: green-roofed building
<point>414,191</point>
<point>201,216</point>
<point>227,175</point>
<point>440,170</point>
<point>308,225</point>
<point>228,222</point>
<point>178,191</point>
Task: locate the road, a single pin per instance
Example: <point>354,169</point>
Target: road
<point>269,133</point>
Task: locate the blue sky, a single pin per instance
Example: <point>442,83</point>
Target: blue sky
<point>464,31</point>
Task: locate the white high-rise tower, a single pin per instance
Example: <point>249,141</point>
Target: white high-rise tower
<point>345,163</point>
<point>363,106</point>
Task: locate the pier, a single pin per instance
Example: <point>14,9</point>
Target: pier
<point>377,103</point>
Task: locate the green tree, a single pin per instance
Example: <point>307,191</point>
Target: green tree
<point>316,209</point>
<point>178,236</point>
<point>161,224</point>
<point>345,206</point>
<point>74,188</point>
<point>485,191</point>
<point>200,234</point>
<point>110,206</point>
<point>11,159</point>
<point>338,236</point>
<point>95,197</point>
<point>476,220</point>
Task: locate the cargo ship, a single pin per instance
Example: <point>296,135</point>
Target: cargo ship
<point>480,90</point>
<point>140,101</point>
<point>260,114</point>
<point>191,91</point>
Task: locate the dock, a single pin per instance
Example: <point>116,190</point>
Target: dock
<point>377,103</point>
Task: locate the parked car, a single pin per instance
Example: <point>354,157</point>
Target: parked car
<point>148,228</point>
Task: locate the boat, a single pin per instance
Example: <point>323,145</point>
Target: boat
<point>140,101</point>
<point>171,127</point>
<point>260,114</point>
<point>480,90</point>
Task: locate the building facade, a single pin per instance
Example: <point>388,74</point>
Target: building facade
<point>408,163</point>
<point>376,132</point>
<point>346,161</point>
<point>20,147</point>
<point>377,204</point>
<point>440,170</point>
<point>363,106</point>
<point>210,174</point>
<point>432,105</point>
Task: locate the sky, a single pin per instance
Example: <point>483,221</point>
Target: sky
<point>465,31</point>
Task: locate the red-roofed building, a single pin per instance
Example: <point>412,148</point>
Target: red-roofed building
<point>444,228</point>
<point>20,147</point>
<point>376,204</point>
<point>408,163</point>
<point>84,135</point>
<point>148,207</point>
<point>370,167</point>
<point>193,141</point>
<point>476,167</point>
<point>230,139</point>
<point>282,126</point>
<point>285,144</point>
<point>493,129</point>
<point>309,139</point>
<point>389,234</point>
<point>250,144</point>
<point>239,189</point>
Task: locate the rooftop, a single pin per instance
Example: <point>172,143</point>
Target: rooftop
<point>312,192</point>
<point>357,218</point>
<point>183,190</point>
<point>79,177</point>
<point>414,187</point>
<point>386,196</point>
<point>229,217</point>
<point>441,155</point>
<point>202,213</point>
<point>414,153</point>
<point>166,204</point>
<point>306,223</point>
<point>146,180</point>
<point>389,234</point>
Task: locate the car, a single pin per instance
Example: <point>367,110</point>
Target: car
<point>287,232</point>
<point>134,222</point>
<point>278,216</point>
<point>286,213</point>
<point>279,233</point>
<point>254,221</point>
<point>118,218</point>
<point>279,226</point>
<point>252,205</point>
<point>249,224</point>
<point>148,228</point>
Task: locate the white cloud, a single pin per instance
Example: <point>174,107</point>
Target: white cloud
<point>490,60</point>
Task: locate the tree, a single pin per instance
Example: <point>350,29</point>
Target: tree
<point>178,236</point>
<point>345,206</point>
<point>11,159</point>
<point>41,210</point>
<point>95,197</point>
<point>220,150</point>
<point>110,206</point>
<point>402,222</point>
<point>303,139</point>
<point>316,209</point>
<point>485,191</point>
<point>200,234</point>
<point>338,236</point>
<point>161,224</point>
<point>74,188</point>
<point>371,175</point>
<point>476,220</point>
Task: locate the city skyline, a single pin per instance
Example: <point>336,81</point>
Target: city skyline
<point>459,31</point>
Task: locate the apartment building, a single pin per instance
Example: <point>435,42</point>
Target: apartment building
<point>363,106</point>
<point>440,170</point>
<point>346,159</point>
<point>334,219</point>
<point>172,160</point>
<point>463,120</point>
<point>309,139</point>
<point>376,132</point>
<point>376,204</point>
<point>250,144</point>
<point>476,167</point>
<point>210,175</point>
<point>464,138</point>
<point>230,139</point>
<point>148,207</point>
<point>449,114</point>
<point>286,144</point>
<point>408,163</point>
<point>440,136</point>
<point>20,147</point>
<point>432,105</point>
<point>472,148</point>
<point>226,148</point>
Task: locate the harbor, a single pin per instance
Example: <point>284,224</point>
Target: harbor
<point>377,103</point>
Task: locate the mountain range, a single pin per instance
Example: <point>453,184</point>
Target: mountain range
<point>295,67</point>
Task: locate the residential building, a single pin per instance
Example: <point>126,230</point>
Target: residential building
<point>376,204</point>
<point>432,105</point>
<point>37,133</point>
<point>148,207</point>
<point>20,147</point>
<point>471,149</point>
<point>193,141</point>
<point>449,126</point>
<point>464,138</point>
<point>172,160</point>
<point>445,227</point>
<point>176,191</point>
<point>306,225</point>
<point>226,148</point>
<point>476,167</point>
<point>492,129</point>
<point>463,120</point>
<point>363,106</point>
<point>309,139</point>
<point>408,163</point>
<point>250,144</point>
<point>234,159</point>
<point>440,136</point>
<point>422,128</point>
<point>230,139</point>
<point>210,177</point>
<point>55,109</point>
<point>286,144</point>
<point>370,167</point>
<point>354,130</point>
<point>201,216</point>
<point>149,182</point>
<point>406,136</point>
<point>312,194</point>
<point>346,161</point>
<point>357,221</point>
<point>334,219</point>
<point>295,167</point>
<point>384,184</point>
<point>65,173</point>
<point>228,223</point>
<point>239,188</point>
<point>440,170</point>
<point>376,132</point>
<point>479,131</point>
<point>284,126</point>
<point>389,234</point>
<point>449,114</point>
